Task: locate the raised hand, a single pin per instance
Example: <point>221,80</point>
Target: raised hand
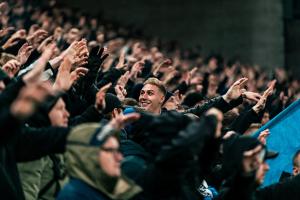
<point>96,58</point>
<point>11,68</point>
<point>260,105</point>
<point>123,80</point>
<point>37,37</point>
<point>14,39</point>
<point>78,73</point>
<point>252,96</point>
<point>263,136</point>
<point>44,43</point>
<point>170,73</point>
<point>24,53</point>
<point>100,97</point>
<point>120,92</point>
<point>120,120</point>
<point>28,99</point>
<point>5,31</point>
<point>235,91</point>
<point>65,78</point>
<point>157,66</point>
<point>136,69</point>
<point>35,74</point>
<point>187,77</point>
<point>121,64</point>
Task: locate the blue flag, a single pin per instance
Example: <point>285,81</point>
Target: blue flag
<point>284,138</point>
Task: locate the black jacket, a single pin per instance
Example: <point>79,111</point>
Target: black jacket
<point>19,144</point>
<point>26,145</point>
<point>217,102</point>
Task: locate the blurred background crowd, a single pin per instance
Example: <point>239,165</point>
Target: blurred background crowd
<point>93,109</point>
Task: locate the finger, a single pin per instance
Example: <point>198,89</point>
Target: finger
<point>100,51</point>
<point>82,70</point>
<point>104,57</point>
<point>268,92</point>
<point>192,72</point>
<point>14,43</point>
<point>81,74</point>
<point>10,28</point>
<point>28,48</point>
<point>94,51</point>
<point>124,91</point>
<point>24,46</point>
<point>22,32</point>
<point>127,73</point>
<point>176,93</point>
<point>130,117</point>
<point>252,151</point>
<point>240,81</point>
<point>48,39</point>
<point>271,87</point>
<point>243,83</point>
<point>73,44</point>
<point>105,88</point>
<point>40,32</point>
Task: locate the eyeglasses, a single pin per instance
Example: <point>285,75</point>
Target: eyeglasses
<point>111,150</point>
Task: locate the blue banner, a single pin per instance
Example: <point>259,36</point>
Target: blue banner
<point>285,138</point>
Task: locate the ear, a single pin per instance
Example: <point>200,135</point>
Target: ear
<point>162,99</point>
<point>295,171</point>
<point>115,112</point>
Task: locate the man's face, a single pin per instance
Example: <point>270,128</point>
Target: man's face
<point>110,157</point>
<point>296,167</point>
<point>266,118</point>
<point>261,172</point>
<point>151,98</point>
<point>59,116</point>
<point>172,103</point>
<point>254,159</point>
<point>73,35</point>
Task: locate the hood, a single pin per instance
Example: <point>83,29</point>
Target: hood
<point>82,163</point>
<point>233,149</point>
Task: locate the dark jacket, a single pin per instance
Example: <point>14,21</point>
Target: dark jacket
<point>26,145</point>
<point>135,160</point>
<point>244,187</point>
<point>180,165</point>
<point>217,102</point>
<point>78,190</point>
<point>288,189</point>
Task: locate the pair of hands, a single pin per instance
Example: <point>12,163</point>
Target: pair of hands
<point>35,91</point>
<point>236,90</point>
<point>37,39</point>
<point>75,57</point>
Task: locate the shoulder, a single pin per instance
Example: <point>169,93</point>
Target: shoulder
<point>78,190</point>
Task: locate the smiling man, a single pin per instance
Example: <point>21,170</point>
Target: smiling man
<point>152,96</point>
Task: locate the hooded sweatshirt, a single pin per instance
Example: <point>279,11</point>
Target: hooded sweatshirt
<point>83,165</point>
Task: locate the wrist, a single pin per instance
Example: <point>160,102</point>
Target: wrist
<point>256,109</point>
<point>226,98</point>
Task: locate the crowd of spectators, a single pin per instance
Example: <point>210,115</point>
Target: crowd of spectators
<point>94,110</point>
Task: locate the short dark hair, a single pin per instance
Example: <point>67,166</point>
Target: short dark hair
<point>157,83</point>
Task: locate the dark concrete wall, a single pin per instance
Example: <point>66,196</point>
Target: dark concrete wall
<point>252,29</point>
<point>293,46</point>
